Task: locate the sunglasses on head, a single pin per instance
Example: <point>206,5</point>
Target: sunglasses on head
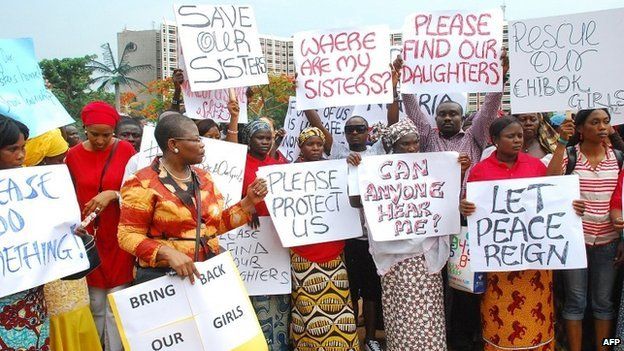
<point>356,128</point>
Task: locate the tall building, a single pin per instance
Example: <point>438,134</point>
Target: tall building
<point>278,53</point>
<point>168,50</point>
<point>145,44</point>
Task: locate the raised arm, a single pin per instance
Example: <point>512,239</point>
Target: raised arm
<point>234,110</point>
<point>178,80</point>
<point>315,121</point>
<point>556,166</point>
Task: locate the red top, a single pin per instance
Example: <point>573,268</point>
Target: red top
<point>616,198</point>
<point>251,167</point>
<point>491,168</point>
<point>86,169</point>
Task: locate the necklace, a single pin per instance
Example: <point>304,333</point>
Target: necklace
<point>185,179</point>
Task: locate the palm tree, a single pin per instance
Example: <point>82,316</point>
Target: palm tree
<point>116,74</point>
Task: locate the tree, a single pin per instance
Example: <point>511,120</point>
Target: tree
<point>162,92</point>
<point>69,78</point>
<point>272,100</point>
<point>116,75</point>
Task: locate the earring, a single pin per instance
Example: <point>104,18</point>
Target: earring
<point>175,151</point>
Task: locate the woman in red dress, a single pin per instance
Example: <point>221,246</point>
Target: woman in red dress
<point>97,167</point>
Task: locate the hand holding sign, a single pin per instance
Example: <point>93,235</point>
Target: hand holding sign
<point>256,191</point>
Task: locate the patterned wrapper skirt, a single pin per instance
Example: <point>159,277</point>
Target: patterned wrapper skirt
<point>413,307</point>
<point>322,314</point>
<point>517,311</point>
<point>274,316</point>
<point>24,322</point>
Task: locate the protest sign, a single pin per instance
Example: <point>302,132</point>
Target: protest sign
<point>461,276</point>
<point>23,95</point>
<point>342,67</point>
<point>263,263</point>
<point>217,305</point>
<point>211,103</point>
<point>567,63</point>
<point>308,202</point>
<point>525,223</point>
<point>410,195</point>
<point>333,119</point>
<point>428,104</point>
<point>221,46</point>
<point>452,51</point>
<point>224,160</point>
<point>38,246</point>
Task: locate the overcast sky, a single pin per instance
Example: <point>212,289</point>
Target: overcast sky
<point>69,28</point>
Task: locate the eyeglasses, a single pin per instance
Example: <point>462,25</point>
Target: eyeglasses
<point>196,139</point>
<point>360,128</point>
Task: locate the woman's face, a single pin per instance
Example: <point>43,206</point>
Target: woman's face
<point>312,149</point>
<point>99,135</point>
<point>530,123</point>
<point>12,156</point>
<point>596,127</point>
<point>213,133</point>
<point>190,146</point>
<point>407,144</point>
<point>510,140</point>
<point>260,142</point>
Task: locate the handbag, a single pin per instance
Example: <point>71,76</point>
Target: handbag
<point>89,240</point>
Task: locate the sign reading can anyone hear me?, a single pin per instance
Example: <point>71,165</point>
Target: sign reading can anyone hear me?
<point>308,202</point>
<point>213,314</point>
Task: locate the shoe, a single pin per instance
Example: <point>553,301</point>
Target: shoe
<point>372,345</point>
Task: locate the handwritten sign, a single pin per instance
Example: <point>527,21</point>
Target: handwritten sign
<point>226,163</point>
<point>217,305</point>
<point>333,119</point>
<point>525,223</point>
<point>461,276</point>
<point>23,95</point>
<point>212,103</point>
<point>428,104</point>
<point>410,195</point>
<point>342,67</point>
<point>308,202</point>
<point>37,246</point>
<point>263,263</point>
<point>221,46</point>
<point>567,62</point>
<point>149,147</point>
<point>456,51</point>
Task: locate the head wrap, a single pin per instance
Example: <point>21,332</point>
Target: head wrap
<point>252,128</point>
<point>392,134</point>
<point>546,135</point>
<point>49,144</point>
<point>557,119</point>
<point>310,132</point>
<point>99,112</point>
<point>374,134</point>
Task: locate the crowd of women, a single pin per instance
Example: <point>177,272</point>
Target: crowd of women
<point>168,216</point>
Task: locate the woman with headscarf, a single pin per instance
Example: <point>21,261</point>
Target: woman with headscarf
<point>24,321</point>
<point>97,167</point>
<point>321,318</point>
<point>71,324</point>
<point>273,311</point>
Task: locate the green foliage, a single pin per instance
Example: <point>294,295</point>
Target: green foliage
<point>272,100</point>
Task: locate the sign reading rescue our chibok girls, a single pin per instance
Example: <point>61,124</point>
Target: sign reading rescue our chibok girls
<point>525,223</point>
<point>38,246</point>
<point>169,313</point>
<point>263,263</point>
<point>308,202</point>
<point>342,67</point>
<point>23,95</point>
<point>406,196</point>
<point>568,62</point>
<point>221,46</point>
<point>452,51</point>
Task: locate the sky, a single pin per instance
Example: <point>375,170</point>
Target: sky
<point>71,28</point>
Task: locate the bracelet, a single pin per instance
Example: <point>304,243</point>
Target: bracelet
<point>562,141</point>
<point>232,131</point>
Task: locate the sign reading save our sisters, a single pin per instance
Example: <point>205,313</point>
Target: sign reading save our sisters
<point>263,263</point>
<point>221,46</point>
<point>38,246</point>
<point>308,202</point>
<point>452,51</point>
<point>213,314</point>
<point>568,62</point>
<point>23,95</point>
<point>525,223</point>
<point>406,196</point>
<point>342,67</point>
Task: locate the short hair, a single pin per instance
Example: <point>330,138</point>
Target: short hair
<point>356,116</point>
<point>461,108</point>
<point>10,131</point>
<point>170,126</point>
<point>501,123</point>
<point>205,125</point>
<point>127,121</point>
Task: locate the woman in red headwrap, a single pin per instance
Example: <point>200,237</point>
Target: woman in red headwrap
<point>97,167</point>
